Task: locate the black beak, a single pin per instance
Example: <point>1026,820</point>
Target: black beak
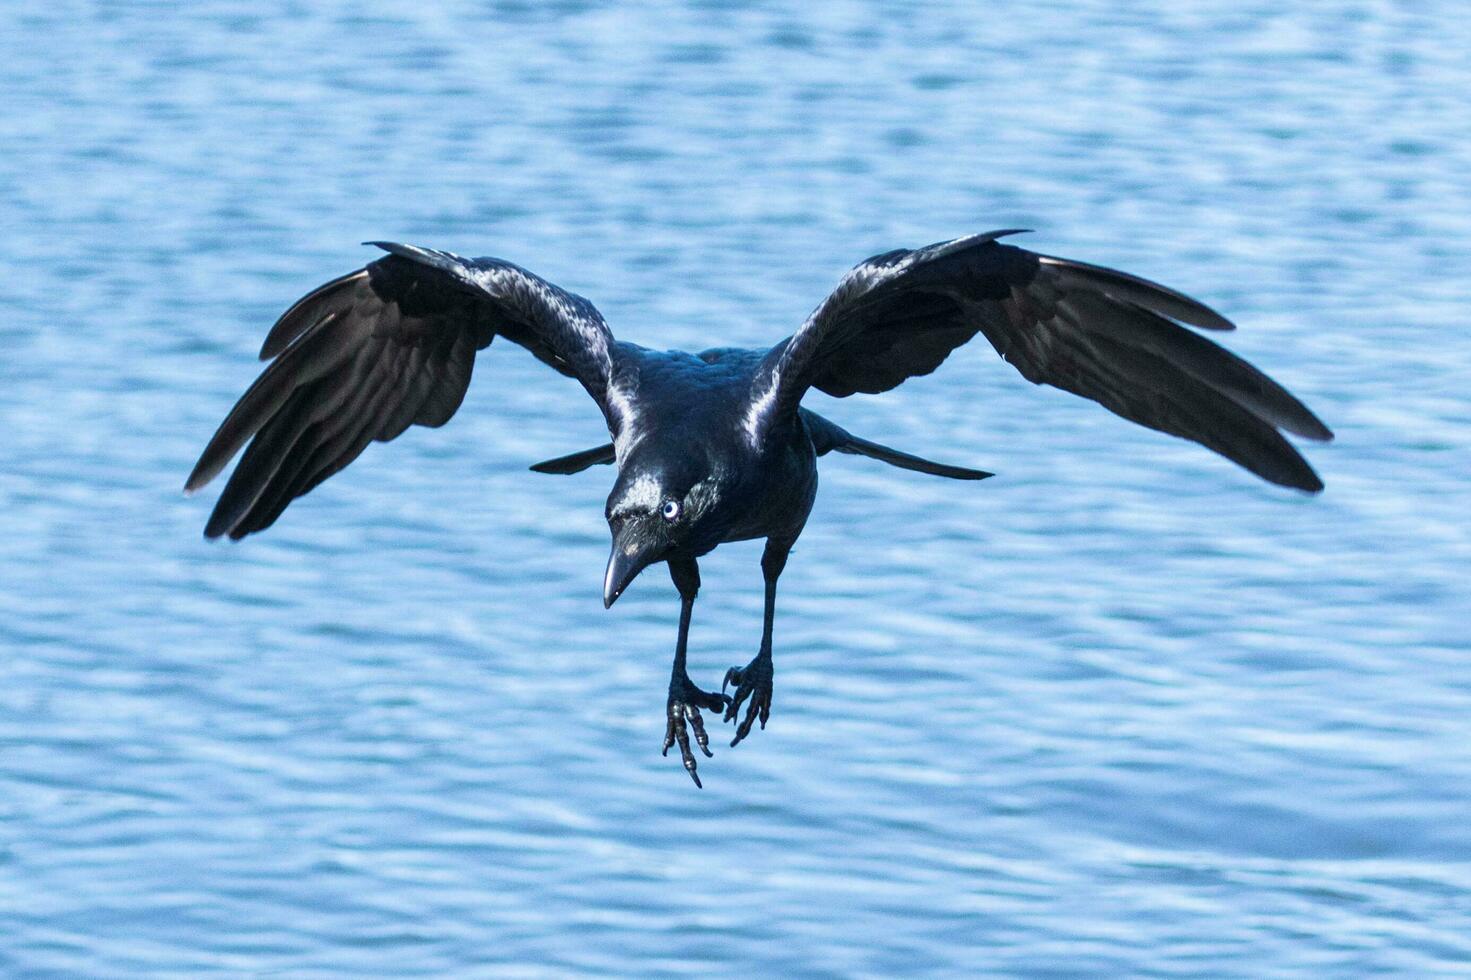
<point>624,564</point>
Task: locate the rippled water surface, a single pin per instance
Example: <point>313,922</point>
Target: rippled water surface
<point>1121,711</point>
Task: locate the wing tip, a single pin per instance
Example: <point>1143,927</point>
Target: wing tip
<point>1319,434</point>
<point>1314,428</point>
<point>1312,487</point>
<point>1285,468</point>
<point>1207,319</point>
<point>200,477</point>
<point>1311,484</point>
<point>235,523</point>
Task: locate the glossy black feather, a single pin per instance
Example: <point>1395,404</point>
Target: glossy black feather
<point>829,437</point>
<point>371,353</point>
<point>1105,335</point>
<point>577,462</point>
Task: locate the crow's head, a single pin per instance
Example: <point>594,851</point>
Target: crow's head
<point>654,512</point>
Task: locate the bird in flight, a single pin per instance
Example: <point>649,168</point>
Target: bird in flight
<point>716,446</point>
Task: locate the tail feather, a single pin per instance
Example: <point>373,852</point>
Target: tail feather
<point>576,462</point>
<point>828,437</point>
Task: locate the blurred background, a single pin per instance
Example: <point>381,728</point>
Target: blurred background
<point>1123,710</point>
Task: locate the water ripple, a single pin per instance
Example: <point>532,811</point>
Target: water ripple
<point>1120,711</point>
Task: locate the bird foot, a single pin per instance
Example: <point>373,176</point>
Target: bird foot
<point>685,702</point>
<point>754,682</point>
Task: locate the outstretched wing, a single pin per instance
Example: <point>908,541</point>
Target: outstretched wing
<point>1106,335</point>
<point>371,353</point>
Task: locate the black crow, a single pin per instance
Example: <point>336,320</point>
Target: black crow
<point>715,447</point>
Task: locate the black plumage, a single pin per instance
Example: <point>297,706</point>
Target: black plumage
<point>716,447</point>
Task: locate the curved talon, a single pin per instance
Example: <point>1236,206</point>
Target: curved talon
<point>684,709</point>
<point>754,682</point>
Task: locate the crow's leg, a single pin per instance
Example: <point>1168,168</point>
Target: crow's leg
<point>686,700</point>
<point>754,680</point>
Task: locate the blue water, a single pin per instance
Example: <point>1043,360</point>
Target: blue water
<point>1122,710</point>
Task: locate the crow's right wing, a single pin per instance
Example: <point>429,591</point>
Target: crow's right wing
<point>371,353</point>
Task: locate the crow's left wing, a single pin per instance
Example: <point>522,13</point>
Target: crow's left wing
<point>1106,335</point>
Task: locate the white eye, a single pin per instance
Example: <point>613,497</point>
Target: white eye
<point>670,511</point>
